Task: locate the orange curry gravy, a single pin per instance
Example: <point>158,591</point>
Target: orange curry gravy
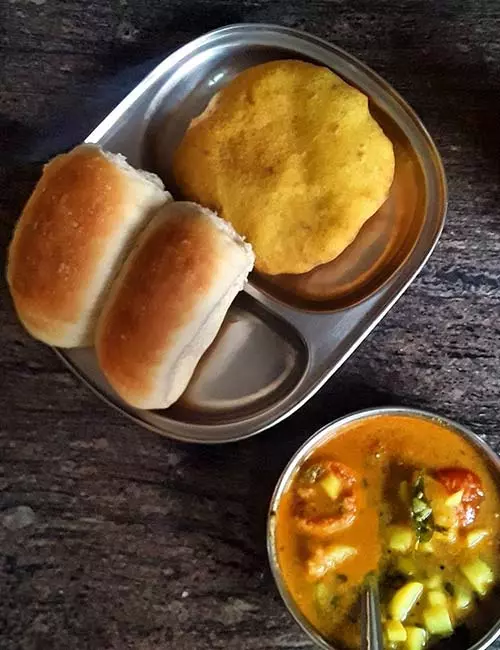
<point>376,449</point>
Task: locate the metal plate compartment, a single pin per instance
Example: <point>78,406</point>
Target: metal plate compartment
<point>284,336</point>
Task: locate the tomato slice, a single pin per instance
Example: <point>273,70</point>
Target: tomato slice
<point>454,479</point>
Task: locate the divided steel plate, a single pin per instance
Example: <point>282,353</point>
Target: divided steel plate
<point>284,336</point>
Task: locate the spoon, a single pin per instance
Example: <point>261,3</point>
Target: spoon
<point>371,627</point>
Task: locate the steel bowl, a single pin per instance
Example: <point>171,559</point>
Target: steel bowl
<point>491,459</point>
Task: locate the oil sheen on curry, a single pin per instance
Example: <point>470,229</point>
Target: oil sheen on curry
<point>409,500</point>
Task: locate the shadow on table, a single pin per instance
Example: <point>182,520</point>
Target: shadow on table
<point>124,65</point>
<point>462,98</point>
<point>265,456</point>
<point>25,148</point>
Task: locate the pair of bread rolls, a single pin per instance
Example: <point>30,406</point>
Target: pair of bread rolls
<point>102,255</point>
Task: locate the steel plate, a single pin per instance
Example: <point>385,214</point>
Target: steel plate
<point>284,337</point>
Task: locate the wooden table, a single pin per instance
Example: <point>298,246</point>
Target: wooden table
<point>134,541</point>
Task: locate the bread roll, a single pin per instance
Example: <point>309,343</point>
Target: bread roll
<point>71,239</point>
<point>168,303</point>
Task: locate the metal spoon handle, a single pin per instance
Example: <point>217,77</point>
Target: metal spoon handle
<point>371,626</point>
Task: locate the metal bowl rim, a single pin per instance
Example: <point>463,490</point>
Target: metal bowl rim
<point>301,454</point>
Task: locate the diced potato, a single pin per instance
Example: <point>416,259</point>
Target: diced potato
<point>434,582</point>
<point>406,565</point>
<point>475,537</point>
<point>395,632</point>
<point>434,490</point>
<point>440,536</point>
<point>479,574</point>
<point>400,539</point>
<point>332,485</point>
<point>425,547</point>
<point>437,620</point>
<point>462,598</point>
<point>326,558</point>
<point>416,638</point>
<point>404,491</point>
<point>404,599</point>
<point>322,595</point>
<point>455,499</point>
<point>339,553</point>
<point>436,597</point>
<point>444,515</point>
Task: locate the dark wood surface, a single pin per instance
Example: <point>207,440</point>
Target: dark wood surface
<point>134,541</point>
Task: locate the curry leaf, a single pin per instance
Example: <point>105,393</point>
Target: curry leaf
<point>421,510</point>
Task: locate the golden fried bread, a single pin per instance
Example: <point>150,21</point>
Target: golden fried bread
<point>291,156</point>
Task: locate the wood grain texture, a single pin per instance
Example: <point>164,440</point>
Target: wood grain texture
<point>139,542</point>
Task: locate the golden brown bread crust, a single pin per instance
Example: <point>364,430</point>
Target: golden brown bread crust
<point>66,245</point>
<point>59,234</point>
<point>171,269</point>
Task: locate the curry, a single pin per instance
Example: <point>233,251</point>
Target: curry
<point>408,499</point>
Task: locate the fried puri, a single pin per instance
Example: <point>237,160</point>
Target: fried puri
<point>290,155</point>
